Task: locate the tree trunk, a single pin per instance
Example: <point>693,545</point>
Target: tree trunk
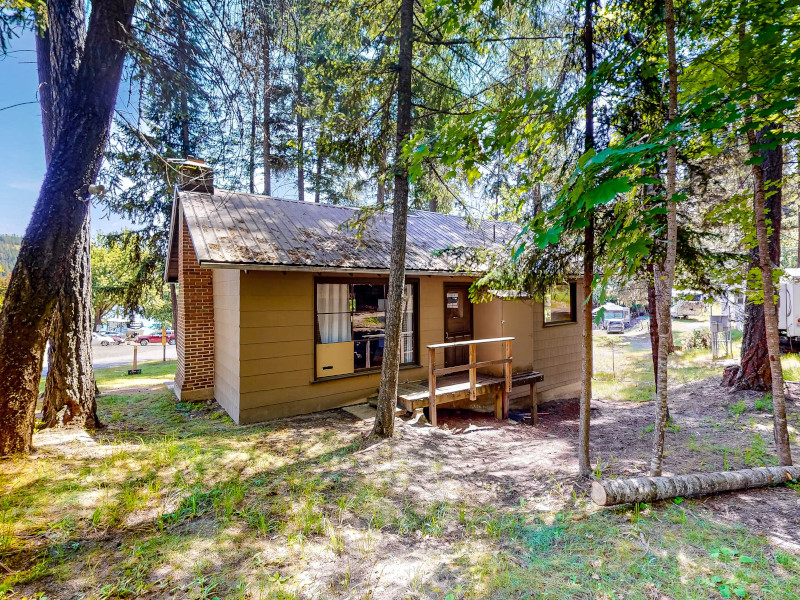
<point>301,183</point>
<point>433,205</point>
<point>183,94</point>
<point>537,199</point>
<point>98,319</point>
<point>584,467</point>
<point>252,163</point>
<point>387,394</point>
<point>653,309</point>
<point>318,175</point>
<point>70,377</point>
<point>780,430</point>
<point>382,158</point>
<point>654,335</point>
<point>609,492</point>
<point>381,195</point>
<point>666,273</point>
<point>58,218</point>
<point>267,142</point>
<point>755,373</point>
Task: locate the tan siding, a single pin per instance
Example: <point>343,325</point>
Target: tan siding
<point>557,351</point>
<point>226,340</point>
<point>276,345</point>
<point>554,351</point>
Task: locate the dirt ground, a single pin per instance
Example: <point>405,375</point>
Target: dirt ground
<point>432,513</point>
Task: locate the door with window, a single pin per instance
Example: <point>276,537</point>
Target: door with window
<point>457,323</point>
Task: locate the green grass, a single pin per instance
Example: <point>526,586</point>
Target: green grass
<point>175,500</point>
<point>665,552</point>
<point>791,367</point>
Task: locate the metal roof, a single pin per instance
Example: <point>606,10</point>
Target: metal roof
<point>251,231</point>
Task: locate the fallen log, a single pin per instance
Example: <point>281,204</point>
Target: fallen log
<point>609,492</point>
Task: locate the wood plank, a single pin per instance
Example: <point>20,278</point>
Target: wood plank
<point>432,385</point>
<point>473,357</point>
<point>470,365</point>
<point>467,342</point>
<point>507,373</point>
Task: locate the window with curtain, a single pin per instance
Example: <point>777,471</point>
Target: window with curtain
<point>407,337</point>
<point>333,313</point>
<point>356,312</point>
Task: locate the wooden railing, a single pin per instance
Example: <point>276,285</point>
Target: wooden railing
<point>472,366</point>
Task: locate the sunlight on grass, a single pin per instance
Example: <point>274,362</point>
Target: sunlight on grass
<point>173,499</point>
<point>791,367</point>
<point>153,372</point>
<point>636,553</point>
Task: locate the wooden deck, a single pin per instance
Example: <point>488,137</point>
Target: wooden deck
<point>449,388</point>
<point>414,395</point>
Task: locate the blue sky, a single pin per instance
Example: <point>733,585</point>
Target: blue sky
<point>21,146</point>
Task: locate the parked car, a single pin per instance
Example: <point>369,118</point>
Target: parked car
<point>109,339</point>
<point>154,337</point>
<point>615,326</point>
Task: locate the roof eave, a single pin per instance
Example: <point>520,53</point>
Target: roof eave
<point>329,269</point>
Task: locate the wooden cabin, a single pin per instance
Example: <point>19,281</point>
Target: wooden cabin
<point>281,304</point>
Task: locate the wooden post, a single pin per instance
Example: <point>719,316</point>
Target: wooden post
<point>508,365</point>
<point>135,366</point>
<point>498,405</point>
<point>507,386</point>
<point>534,405</point>
<point>431,386</point>
<point>473,373</point>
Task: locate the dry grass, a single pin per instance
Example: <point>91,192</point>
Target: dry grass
<point>173,500</point>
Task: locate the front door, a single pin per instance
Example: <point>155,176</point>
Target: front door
<point>457,323</point>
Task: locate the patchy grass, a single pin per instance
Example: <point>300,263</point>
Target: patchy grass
<point>174,500</point>
<point>153,372</point>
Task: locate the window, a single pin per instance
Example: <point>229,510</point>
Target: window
<point>353,317</point>
<point>559,304</point>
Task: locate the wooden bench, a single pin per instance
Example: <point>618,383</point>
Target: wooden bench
<point>529,378</point>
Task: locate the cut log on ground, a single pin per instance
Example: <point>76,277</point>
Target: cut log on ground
<point>649,489</point>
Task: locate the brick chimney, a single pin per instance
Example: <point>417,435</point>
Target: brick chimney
<point>194,377</point>
<point>195,175</point>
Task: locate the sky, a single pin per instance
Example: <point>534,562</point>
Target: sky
<point>21,146</point>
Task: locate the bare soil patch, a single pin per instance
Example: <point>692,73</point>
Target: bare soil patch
<point>173,501</point>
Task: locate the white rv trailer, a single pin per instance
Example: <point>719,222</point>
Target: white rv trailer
<point>687,303</point>
<point>614,312</point>
<point>789,303</point>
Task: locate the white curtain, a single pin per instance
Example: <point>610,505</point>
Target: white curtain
<point>407,335</point>
<point>333,312</point>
